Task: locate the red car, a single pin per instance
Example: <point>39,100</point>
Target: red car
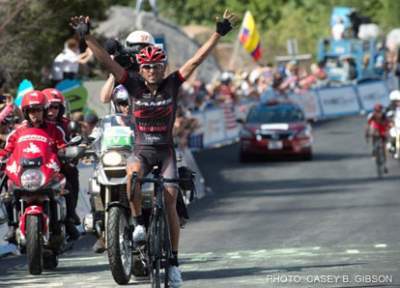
<point>275,129</point>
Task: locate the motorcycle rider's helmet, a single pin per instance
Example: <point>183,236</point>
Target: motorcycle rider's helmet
<point>139,39</point>
<point>394,95</point>
<point>55,97</point>
<point>120,96</point>
<point>378,108</point>
<point>33,99</point>
<point>151,54</point>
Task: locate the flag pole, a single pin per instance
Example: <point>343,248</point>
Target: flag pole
<point>235,52</point>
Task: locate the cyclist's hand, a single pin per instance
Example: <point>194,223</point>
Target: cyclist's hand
<point>229,21</point>
<point>81,25</point>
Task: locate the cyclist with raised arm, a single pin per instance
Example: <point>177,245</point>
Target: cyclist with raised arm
<point>154,107</point>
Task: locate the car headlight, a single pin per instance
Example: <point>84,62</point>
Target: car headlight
<point>113,158</point>
<point>244,133</point>
<point>32,179</point>
<point>305,133</point>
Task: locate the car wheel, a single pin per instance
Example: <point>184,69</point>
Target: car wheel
<point>308,156</point>
<point>243,157</point>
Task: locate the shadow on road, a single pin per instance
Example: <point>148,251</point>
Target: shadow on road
<point>256,271</point>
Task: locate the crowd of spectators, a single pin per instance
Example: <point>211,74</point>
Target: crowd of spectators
<point>261,83</point>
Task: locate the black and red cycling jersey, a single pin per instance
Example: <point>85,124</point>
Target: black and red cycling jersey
<point>153,114</point>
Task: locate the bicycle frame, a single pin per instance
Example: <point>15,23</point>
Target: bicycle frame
<point>159,248</point>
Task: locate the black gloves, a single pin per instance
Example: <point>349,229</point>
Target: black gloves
<point>228,22</point>
<point>223,27</point>
<point>81,25</point>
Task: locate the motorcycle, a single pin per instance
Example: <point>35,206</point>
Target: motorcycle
<point>393,144</point>
<point>39,207</point>
<point>110,213</point>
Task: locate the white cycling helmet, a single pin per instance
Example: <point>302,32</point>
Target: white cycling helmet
<point>139,37</point>
<point>394,95</point>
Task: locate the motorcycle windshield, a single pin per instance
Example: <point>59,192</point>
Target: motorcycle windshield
<point>33,150</point>
<point>117,133</point>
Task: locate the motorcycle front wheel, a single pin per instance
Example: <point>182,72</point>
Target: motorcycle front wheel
<point>119,245</point>
<point>34,244</point>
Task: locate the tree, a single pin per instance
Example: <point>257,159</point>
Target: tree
<point>33,33</point>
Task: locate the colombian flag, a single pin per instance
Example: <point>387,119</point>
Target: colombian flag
<point>249,36</point>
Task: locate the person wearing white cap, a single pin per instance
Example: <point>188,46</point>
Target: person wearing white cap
<point>135,41</point>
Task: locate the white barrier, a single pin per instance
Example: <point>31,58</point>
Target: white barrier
<point>217,128</point>
<point>338,101</point>
<point>213,127</point>
<point>308,101</point>
<point>372,93</point>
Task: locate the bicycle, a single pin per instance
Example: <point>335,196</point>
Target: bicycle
<point>158,250</point>
<point>379,154</point>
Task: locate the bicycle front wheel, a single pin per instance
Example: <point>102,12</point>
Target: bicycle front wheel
<point>157,255</point>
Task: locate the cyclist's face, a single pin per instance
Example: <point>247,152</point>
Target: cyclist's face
<point>152,73</point>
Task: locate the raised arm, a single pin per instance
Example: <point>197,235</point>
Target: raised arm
<point>223,27</point>
<point>106,90</point>
<point>81,25</point>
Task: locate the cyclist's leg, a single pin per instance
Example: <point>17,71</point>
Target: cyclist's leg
<point>169,170</point>
<point>135,164</point>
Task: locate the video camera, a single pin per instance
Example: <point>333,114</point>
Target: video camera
<point>123,56</point>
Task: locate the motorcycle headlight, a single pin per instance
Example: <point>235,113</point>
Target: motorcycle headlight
<point>393,132</point>
<point>32,179</point>
<point>113,158</point>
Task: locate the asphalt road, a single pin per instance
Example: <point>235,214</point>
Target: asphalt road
<point>324,223</point>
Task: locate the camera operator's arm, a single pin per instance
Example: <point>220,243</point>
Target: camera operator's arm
<point>223,27</point>
<point>106,90</point>
<point>85,56</point>
<point>81,25</point>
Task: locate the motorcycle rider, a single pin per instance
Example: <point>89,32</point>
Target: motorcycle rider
<point>55,110</point>
<point>155,102</point>
<point>120,100</point>
<point>33,108</point>
<point>393,113</point>
<point>379,125</point>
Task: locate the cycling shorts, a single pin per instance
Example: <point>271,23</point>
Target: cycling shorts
<point>161,155</point>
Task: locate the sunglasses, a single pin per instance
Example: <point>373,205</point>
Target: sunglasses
<point>123,103</point>
<point>55,107</point>
<point>155,66</point>
<point>35,110</point>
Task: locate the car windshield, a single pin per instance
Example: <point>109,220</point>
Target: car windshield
<point>275,114</point>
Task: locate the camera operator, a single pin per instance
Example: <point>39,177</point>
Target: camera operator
<point>125,56</point>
